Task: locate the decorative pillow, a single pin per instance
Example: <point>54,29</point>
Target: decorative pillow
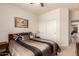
<point>22,36</point>
<point>31,36</point>
<point>15,36</point>
<point>26,37</point>
<point>19,37</point>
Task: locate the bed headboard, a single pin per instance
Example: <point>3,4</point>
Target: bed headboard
<point>11,36</point>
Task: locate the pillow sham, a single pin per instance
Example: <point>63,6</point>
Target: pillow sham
<point>26,37</point>
<point>31,36</point>
<point>22,36</point>
<point>19,37</point>
<point>15,36</point>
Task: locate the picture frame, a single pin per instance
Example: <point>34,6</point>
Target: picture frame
<point>21,22</point>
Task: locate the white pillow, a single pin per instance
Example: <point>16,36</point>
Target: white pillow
<point>31,36</point>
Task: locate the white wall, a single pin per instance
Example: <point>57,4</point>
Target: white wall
<point>54,25</point>
<point>7,21</point>
<point>74,15</point>
<point>64,26</point>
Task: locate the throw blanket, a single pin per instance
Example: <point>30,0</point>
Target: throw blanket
<point>35,50</point>
<point>52,44</point>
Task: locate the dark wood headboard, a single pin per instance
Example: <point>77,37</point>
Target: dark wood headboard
<point>10,36</point>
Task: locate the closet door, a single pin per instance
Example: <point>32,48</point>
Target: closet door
<point>51,29</point>
<point>42,29</point>
<point>47,29</point>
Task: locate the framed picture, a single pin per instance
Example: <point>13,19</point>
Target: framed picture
<point>21,22</point>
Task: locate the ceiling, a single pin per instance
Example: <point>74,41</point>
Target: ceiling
<point>37,9</point>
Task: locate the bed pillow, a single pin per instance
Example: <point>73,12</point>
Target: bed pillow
<point>19,37</point>
<point>26,37</point>
<point>22,36</point>
<point>15,36</point>
<point>31,37</point>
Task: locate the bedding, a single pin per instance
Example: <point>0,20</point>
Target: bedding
<point>33,47</point>
<point>18,49</point>
<point>50,43</point>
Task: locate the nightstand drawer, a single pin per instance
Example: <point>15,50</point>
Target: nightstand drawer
<point>3,46</point>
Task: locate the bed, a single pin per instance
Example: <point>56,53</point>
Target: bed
<point>27,46</point>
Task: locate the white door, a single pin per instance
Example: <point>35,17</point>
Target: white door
<point>51,29</point>
<point>47,29</point>
<point>42,30</point>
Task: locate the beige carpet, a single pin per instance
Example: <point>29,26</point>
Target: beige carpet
<point>69,51</point>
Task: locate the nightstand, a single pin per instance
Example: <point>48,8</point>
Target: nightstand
<point>4,48</point>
